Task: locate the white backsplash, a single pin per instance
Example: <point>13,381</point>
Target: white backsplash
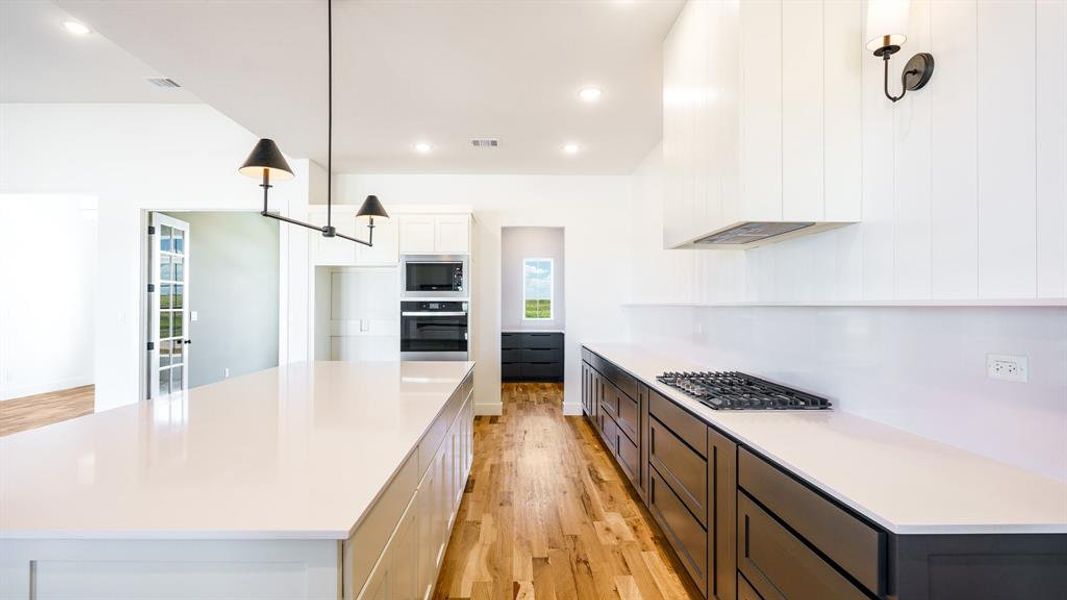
<point>918,369</point>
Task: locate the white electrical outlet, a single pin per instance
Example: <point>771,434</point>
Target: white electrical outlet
<point>193,315</point>
<point>226,373</point>
<point>1006,367</point>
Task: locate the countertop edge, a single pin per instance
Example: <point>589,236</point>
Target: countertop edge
<point>695,408</point>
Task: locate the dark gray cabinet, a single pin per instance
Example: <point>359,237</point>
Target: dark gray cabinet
<point>531,356</point>
<point>746,528</point>
<point>611,401</point>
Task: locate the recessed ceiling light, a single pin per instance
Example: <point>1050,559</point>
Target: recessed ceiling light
<point>571,148</point>
<point>590,94</point>
<point>423,147</point>
<point>76,28</point>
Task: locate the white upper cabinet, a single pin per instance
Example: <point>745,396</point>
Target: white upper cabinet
<point>434,234</point>
<point>761,120</point>
<point>344,253</point>
<point>417,234</point>
<point>452,234</point>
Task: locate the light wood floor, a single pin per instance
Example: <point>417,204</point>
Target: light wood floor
<point>546,514</point>
<point>30,412</point>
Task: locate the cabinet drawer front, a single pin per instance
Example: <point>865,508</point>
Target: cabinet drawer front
<point>608,430</point>
<point>510,341</point>
<point>609,399</point>
<point>629,415</point>
<point>684,425</point>
<point>550,341</point>
<point>543,370</point>
<point>858,548</point>
<point>745,590</point>
<point>683,469</point>
<point>361,550</point>
<point>623,380</point>
<point>431,440</point>
<point>542,355</point>
<point>510,355</point>
<point>511,370</point>
<point>779,565</point>
<point>686,535</point>
<point>630,459</point>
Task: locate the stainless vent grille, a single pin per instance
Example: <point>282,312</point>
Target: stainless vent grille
<point>485,142</point>
<point>746,233</point>
<point>163,82</point>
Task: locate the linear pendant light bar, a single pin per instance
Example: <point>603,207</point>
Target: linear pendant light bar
<point>266,159</point>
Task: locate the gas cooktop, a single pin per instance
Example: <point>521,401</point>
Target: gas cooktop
<point>731,390</point>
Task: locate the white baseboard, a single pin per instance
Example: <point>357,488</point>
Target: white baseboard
<point>572,408</point>
<point>493,409</point>
<point>42,387</point>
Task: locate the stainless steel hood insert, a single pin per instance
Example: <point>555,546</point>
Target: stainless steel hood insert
<point>752,231</point>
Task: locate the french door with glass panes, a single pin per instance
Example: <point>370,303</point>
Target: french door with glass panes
<point>168,317</point>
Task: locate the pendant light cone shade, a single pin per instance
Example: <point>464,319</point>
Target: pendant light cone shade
<point>266,155</point>
<point>372,208</point>
<point>887,23</point>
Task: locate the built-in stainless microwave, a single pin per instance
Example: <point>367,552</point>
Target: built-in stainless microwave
<point>440,276</point>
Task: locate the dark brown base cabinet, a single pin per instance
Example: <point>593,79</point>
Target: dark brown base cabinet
<point>744,528</point>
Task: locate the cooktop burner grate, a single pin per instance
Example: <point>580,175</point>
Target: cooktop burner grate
<point>732,390</point>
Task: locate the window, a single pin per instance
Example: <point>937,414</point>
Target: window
<point>537,288</point>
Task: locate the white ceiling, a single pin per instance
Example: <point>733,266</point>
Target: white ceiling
<point>41,62</point>
<point>443,71</point>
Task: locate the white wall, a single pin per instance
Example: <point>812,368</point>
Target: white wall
<point>593,211</point>
<point>47,292</point>
<point>518,244</point>
<point>137,157</point>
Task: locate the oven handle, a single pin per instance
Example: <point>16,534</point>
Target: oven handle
<point>433,314</point>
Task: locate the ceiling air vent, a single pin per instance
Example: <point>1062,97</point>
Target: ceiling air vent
<point>485,142</point>
<point>163,82</point>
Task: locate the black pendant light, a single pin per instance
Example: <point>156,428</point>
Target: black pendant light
<point>266,161</point>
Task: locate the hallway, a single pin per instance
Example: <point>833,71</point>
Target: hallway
<point>547,515</point>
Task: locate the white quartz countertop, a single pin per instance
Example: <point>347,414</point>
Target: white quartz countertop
<point>299,451</point>
<point>906,483</point>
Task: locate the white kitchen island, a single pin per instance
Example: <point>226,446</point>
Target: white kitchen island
<point>319,480</point>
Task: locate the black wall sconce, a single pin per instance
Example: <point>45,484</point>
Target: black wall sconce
<point>267,161</point>
<point>887,20</point>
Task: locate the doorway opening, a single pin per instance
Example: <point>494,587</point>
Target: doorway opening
<point>532,305</point>
<point>211,298</point>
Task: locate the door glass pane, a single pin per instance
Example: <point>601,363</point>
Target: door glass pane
<point>164,353</point>
<point>176,379</point>
<point>164,296</point>
<point>164,238</point>
<point>176,324</point>
<point>164,324</point>
<point>179,269</point>
<point>176,353</point>
<point>178,298</point>
<point>164,381</point>
<point>164,268</point>
<point>179,241</point>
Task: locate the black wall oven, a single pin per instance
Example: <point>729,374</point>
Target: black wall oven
<point>433,330</point>
<point>434,275</point>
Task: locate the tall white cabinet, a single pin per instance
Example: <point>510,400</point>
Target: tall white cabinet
<point>762,115</point>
